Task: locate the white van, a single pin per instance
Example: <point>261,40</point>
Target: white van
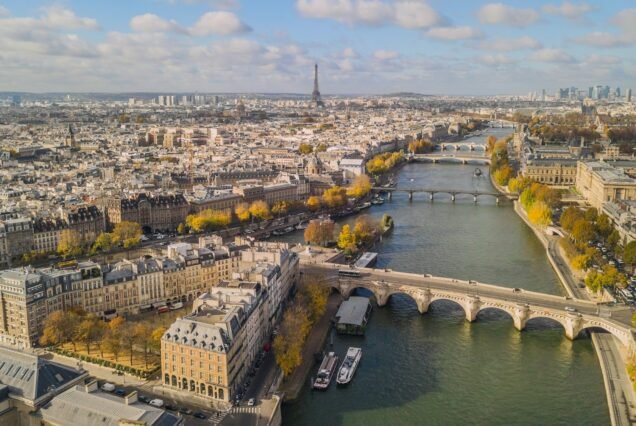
<point>156,403</point>
<point>108,387</point>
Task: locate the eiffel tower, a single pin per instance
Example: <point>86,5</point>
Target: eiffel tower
<point>315,95</point>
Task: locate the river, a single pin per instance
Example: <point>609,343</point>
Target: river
<point>437,368</point>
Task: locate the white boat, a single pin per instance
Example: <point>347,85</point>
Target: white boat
<point>326,370</point>
<point>377,201</point>
<point>365,205</point>
<point>302,225</point>
<point>349,365</point>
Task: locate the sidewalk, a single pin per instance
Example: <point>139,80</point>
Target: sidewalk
<point>293,385</point>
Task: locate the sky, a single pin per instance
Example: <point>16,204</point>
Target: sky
<point>453,47</point>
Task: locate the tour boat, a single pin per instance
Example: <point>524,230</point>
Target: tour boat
<point>302,225</point>
<point>349,365</point>
<point>377,201</point>
<point>326,370</point>
<point>365,205</point>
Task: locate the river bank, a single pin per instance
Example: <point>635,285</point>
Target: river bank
<point>619,389</point>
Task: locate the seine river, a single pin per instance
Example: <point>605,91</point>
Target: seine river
<point>438,369</point>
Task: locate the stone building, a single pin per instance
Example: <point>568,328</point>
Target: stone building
<point>601,182</point>
<point>153,213</point>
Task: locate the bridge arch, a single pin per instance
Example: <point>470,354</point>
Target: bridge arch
<point>484,309</point>
<point>538,317</point>
<point>448,300</point>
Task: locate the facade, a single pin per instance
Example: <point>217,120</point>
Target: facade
<point>46,234</point>
<point>552,172</point>
<point>161,212</point>
<point>16,238</point>
<point>87,220</point>
<point>601,182</point>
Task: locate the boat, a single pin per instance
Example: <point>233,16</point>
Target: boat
<point>278,232</point>
<point>326,370</point>
<point>349,365</point>
<point>377,201</point>
<point>365,205</point>
<point>302,225</point>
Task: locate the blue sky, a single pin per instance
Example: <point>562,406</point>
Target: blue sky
<point>362,46</point>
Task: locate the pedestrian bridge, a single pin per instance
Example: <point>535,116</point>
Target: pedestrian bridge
<point>450,158</point>
<point>452,192</point>
<point>575,315</point>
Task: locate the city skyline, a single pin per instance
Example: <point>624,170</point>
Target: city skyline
<point>361,46</point>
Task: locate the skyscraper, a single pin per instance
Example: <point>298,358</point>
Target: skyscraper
<point>315,95</point>
<point>628,95</point>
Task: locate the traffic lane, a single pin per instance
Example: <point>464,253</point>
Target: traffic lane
<point>189,419</point>
<point>262,380</point>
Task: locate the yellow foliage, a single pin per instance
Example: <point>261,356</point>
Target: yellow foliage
<point>335,197</point>
<point>313,203</point>
<point>260,210</point>
<point>242,212</point>
<point>360,187</point>
<point>540,214</point>
<point>208,220</point>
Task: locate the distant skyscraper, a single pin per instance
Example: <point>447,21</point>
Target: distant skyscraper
<point>542,95</point>
<point>590,92</point>
<point>628,95</point>
<point>315,95</point>
<point>16,100</point>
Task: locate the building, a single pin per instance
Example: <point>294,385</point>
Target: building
<point>160,212</point>
<point>28,383</point>
<point>552,172</point>
<point>87,220</point>
<point>86,404</point>
<point>46,234</point>
<point>601,182</point>
<point>16,238</point>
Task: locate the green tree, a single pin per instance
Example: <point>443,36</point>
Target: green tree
<point>603,225</point>
<point>629,253</point>
<point>582,231</point>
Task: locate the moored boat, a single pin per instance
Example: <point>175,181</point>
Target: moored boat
<point>349,365</point>
<point>326,370</point>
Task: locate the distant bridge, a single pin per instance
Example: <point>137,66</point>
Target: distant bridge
<point>501,124</point>
<point>575,315</point>
<point>451,158</point>
<point>452,192</point>
<point>458,146</point>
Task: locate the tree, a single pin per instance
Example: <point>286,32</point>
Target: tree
<point>527,198</point>
<point>316,296</point>
<point>569,216</point>
<point>346,240</point>
<point>612,240</point>
<point>103,242</point>
<point>629,253</point>
<point>540,214</point>
<point>321,147</point>
<point>112,344</point>
<point>313,203</point>
<point>155,338</point>
<point>305,148</point>
<point>503,175</point>
<point>280,208</point>
<point>242,212</point>
<point>181,229</point>
<point>127,233</point>
<point>53,333</point>
<point>604,225</point>
<point>490,143</point>
<point>365,229</point>
<point>89,330</point>
<point>335,197</point>
<point>143,337</point>
<point>127,337</point>
<point>360,187</point>
<point>591,214</point>
<point>260,210</point>
<point>582,231</point>
<point>70,243</point>
<point>320,232</point>
<point>208,220</point>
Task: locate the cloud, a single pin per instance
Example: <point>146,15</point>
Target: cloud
<point>501,14</point>
<point>385,55</point>
<point>568,10</point>
<point>603,39</point>
<point>411,14</point>
<point>496,59</point>
<point>625,19</point>
<point>151,23</point>
<point>551,56</point>
<point>511,44</point>
<point>59,17</point>
<point>219,22</point>
<point>603,60</point>
<point>454,33</point>
<point>4,11</point>
<point>349,52</point>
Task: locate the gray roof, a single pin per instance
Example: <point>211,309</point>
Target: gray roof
<point>77,407</point>
<point>31,377</point>
<point>352,310</point>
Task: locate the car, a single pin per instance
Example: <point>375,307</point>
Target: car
<point>516,290</point>
<point>145,399</point>
<point>185,411</point>
<point>251,402</point>
<point>108,387</point>
<point>570,309</point>
<point>156,403</point>
<point>171,407</point>
<point>120,392</point>
<point>199,415</point>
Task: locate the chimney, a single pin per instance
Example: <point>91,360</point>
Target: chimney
<point>131,398</point>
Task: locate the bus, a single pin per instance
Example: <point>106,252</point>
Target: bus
<point>346,273</point>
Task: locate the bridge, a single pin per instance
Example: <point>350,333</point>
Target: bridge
<point>575,315</point>
<point>452,192</point>
<point>451,158</point>
<point>459,145</point>
<point>501,124</point>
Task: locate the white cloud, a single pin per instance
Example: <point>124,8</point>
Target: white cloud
<point>501,14</point>
<point>551,55</point>
<point>219,22</point>
<point>603,39</point>
<point>385,55</point>
<point>511,44</point>
<point>568,10</point>
<point>603,60</point>
<point>349,52</point>
<point>454,33</point>
<point>626,20</point>
<point>59,17</point>
<point>151,23</point>
<point>4,11</point>
<point>412,14</point>
<point>496,59</point>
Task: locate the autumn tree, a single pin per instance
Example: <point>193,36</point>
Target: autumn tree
<point>313,203</point>
<point>103,242</point>
<point>365,229</point>
<point>111,343</point>
<point>280,207</point>
<point>540,214</point>
<point>143,337</point>
<point>260,210</point>
<point>335,197</point>
<point>314,296</point>
<point>569,216</point>
<point>70,243</point>
<point>360,187</point>
<point>127,233</point>
<point>208,220</point>
<point>55,329</point>
<point>320,232</point>
<point>89,330</point>
<point>604,225</point>
<point>321,147</point>
<point>128,337</point>
<point>503,175</point>
<point>242,212</point>
<point>582,231</point>
<point>305,148</point>
<point>155,338</point>
<point>346,240</point>
<point>629,253</point>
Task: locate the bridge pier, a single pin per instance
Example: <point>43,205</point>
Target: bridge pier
<point>572,326</point>
<point>520,317</point>
<point>453,197</point>
<point>475,199</point>
<point>410,195</point>
<point>497,200</point>
<point>390,195</point>
<point>423,300</point>
<point>472,308</point>
<point>432,196</point>
<point>464,162</point>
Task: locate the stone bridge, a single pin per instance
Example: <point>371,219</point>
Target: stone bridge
<point>452,192</point>
<point>575,315</point>
<point>457,146</point>
<point>450,158</point>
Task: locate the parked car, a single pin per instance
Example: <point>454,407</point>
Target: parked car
<point>108,387</point>
<point>145,399</point>
<point>171,407</point>
<point>185,411</point>
<point>120,392</point>
<point>156,403</point>
<point>199,415</point>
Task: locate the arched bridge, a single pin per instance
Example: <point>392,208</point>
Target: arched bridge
<point>452,192</point>
<point>450,158</point>
<point>458,146</point>
<point>575,315</point>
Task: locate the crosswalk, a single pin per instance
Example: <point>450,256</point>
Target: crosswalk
<point>253,410</point>
<point>217,419</point>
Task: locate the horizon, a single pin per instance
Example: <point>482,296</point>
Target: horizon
<point>367,47</point>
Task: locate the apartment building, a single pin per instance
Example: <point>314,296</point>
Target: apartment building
<point>600,182</point>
